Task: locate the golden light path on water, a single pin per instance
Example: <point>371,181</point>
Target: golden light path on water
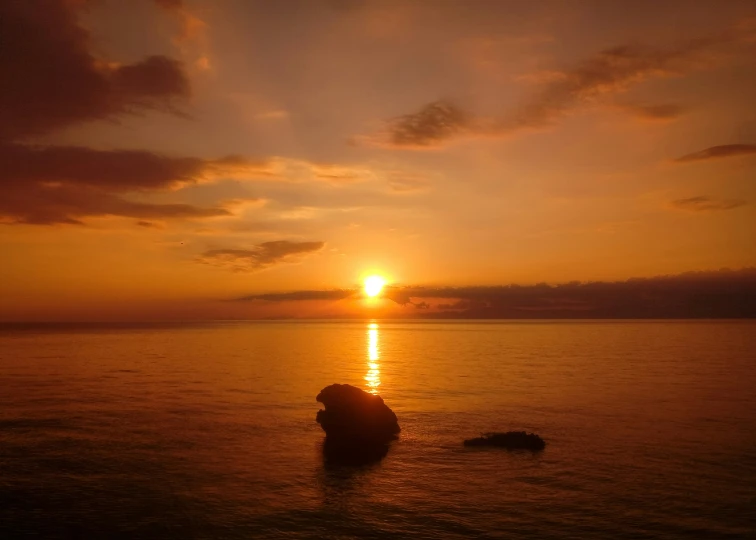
<point>373,376</point>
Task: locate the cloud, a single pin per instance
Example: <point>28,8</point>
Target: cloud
<point>661,112</point>
<point>155,77</point>
<point>705,204</point>
<point>427,127</point>
<point>41,204</point>
<point>716,294</point>
<point>295,296</point>
<point>716,152</point>
<point>337,174</point>
<point>610,71</point>
<point>149,225</point>
<point>33,177</point>
<point>118,170</point>
<point>260,256</point>
<point>65,184</point>
<point>51,79</point>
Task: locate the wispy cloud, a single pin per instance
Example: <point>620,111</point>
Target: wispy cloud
<point>338,174</point>
<point>721,151</point>
<point>609,72</point>
<point>663,112</point>
<point>295,296</point>
<point>259,257</point>
<point>703,203</point>
<point>149,225</point>
<point>428,127</point>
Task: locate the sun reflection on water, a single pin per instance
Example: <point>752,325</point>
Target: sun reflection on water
<point>373,376</point>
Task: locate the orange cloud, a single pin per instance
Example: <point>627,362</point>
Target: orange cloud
<point>663,112</point>
<point>704,203</point>
<point>260,256</point>
<point>149,225</point>
<point>716,152</point>
<point>428,127</point>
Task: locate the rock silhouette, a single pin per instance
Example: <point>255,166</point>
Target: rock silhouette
<point>512,440</point>
<point>354,417</point>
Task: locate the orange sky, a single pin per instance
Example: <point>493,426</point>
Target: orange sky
<point>158,158</point>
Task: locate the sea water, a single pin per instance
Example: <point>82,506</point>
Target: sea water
<point>207,430</point>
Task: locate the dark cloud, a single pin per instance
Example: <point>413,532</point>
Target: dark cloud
<point>295,296</point>
<point>462,305</point>
<point>718,294</point>
<point>260,256</point>
<point>722,151</point>
<point>149,225</point>
<point>610,71</point>
<point>116,170</point>
<point>51,79</point>
<point>704,204</point>
<point>429,126</point>
<point>41,204</point>
<point>397,294</point>
<point>661,112</point>
<point>62,184</point>
<point>155,77</point>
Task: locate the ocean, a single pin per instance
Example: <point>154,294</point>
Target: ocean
<point>207,430</point>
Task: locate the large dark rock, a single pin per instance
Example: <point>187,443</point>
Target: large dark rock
<point>512,440</point>
<point>353,417</point>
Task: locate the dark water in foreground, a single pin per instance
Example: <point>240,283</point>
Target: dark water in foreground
<point>207,431</point>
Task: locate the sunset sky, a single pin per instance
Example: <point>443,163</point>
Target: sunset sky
<point>161,158</point>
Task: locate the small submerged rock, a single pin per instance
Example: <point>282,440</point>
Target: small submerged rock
<point>355,417</point>
<point>512,440</point>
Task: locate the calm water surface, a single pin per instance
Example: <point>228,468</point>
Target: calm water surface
<point>208,431</point>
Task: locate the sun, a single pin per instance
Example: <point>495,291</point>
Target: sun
<point>374,285</point>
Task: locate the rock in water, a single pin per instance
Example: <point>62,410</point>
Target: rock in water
<point>354,416</point>
<point>512,440</point>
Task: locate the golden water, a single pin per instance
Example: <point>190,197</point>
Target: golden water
<point>208,431</point>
